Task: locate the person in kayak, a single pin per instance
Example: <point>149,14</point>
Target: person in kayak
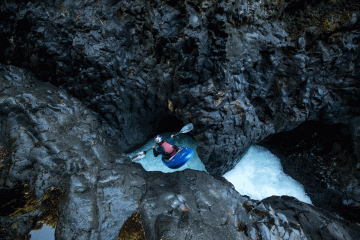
<point>166,148</point>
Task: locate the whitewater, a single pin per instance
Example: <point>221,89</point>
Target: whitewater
<point>258,174</point>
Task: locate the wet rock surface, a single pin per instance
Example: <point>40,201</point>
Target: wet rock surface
<point>239,70</point>
<point>193,205</point>
<point>52,140</point>
<point>325,159</point>
<point>189,205</point>
<point>58,146</point>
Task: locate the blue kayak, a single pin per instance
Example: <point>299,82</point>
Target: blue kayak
<point>180,158</point>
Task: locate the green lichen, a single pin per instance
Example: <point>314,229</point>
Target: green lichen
<point>260,213</point>
<point>326,16</point>
<point>24,201</point>
<point>49,206</point>
<point>248,207</point>
<point>132,228</point>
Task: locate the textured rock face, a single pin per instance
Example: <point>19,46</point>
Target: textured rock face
<point>239,70</point>
<point>193,205</point>
<point>53,141</point>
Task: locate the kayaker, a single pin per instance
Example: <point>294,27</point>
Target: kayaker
<point>166,148</point>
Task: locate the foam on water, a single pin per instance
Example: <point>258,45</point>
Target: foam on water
<point>259,173</point>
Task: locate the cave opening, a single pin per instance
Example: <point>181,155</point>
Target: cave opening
<point>168,123</point>
<point>162,121</point>
<point>314,135</point>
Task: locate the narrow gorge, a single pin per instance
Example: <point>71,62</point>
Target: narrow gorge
<point>85,83</point>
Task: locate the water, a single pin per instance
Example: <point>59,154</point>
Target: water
<point>259,173</point>
<point>151,163</point>
<point>45,233</point>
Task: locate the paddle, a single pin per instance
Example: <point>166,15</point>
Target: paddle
<point>187,128</point>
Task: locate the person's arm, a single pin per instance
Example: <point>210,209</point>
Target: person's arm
<point>175,137</point>
<point>157,151</point>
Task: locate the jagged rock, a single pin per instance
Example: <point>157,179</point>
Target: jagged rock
<point>57,142</point>
<point>17,227</point>
<point>189,204</point>
<point>54,141</point>
<point>239,70</point>
<point>193,205</point>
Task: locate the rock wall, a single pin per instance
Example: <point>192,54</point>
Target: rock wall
<point>53,143</point>
<point>239,70</point>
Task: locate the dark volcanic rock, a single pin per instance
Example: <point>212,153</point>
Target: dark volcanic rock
<point>239,70</point>
<point>324,158</point>
<point>189,205</point>
<point>193,205</point>
<point>309,221</point>
<point>52,141</point>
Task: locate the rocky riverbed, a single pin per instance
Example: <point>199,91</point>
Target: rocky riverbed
<point>83,83</point>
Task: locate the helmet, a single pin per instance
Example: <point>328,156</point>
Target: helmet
<point>158,139</point>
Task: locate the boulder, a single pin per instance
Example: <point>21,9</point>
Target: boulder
<point>53,140</point>
<point>193,205</point>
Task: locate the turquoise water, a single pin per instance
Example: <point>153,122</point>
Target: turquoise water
<point>259,173</point>
<point>151,163</point>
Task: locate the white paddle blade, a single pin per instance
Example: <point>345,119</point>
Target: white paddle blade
<point>187,128</point>
<point>138,156</point>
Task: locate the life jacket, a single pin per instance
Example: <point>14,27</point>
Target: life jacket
<point>168,148</point>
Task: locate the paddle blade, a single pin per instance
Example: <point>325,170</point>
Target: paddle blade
<point>138,156</point>
<point>187,128</point>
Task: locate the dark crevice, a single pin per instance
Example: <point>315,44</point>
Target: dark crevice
<point>298,5</point>
<point>319,156</point>
<point>14,198</point>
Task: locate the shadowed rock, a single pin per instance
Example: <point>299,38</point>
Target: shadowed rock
<point>57,142</point>
<point>240,71</point>
<point>193,205</point>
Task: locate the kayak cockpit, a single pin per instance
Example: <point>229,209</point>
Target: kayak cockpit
<point>182,156</point>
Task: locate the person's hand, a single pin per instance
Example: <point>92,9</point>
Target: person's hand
<point>153,146</point>
<point>172,136</point>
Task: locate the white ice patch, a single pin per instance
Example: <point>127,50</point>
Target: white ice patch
<point>151,163</point>
<point>259,175</point>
